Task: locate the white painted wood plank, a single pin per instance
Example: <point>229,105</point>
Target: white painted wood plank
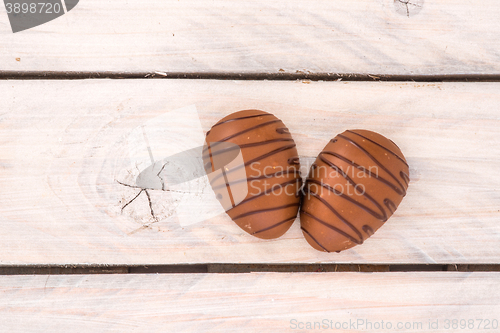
<point>365,36</point>
<point>257,302</point>
<point>64,144</point>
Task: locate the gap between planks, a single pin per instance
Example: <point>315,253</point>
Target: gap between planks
<point>240,268</point>
<point>299,75</point>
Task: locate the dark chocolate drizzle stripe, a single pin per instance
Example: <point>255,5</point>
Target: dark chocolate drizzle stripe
<point>314,239</point>
<point>296,173</point>
<point>240,118</point>
<point>211,159</point>
<point>368,230</point>
<point>341,218</point>
<point>266,210</point>
<point>354,143</point>
<point>247,145</point>
<point>275,225</point>
<point>378,144</point>
<point>380,217</point>
<point>273,152</point>
<point>269,190</point>
<point>362,168</point>
<point>260,143</point>
<point>405,177</point>
<point>255,144</point>
<point>248,130</point>
<point>283,130</point>
<point>267,176</point>
<point>388,203</point>
<point>276,174</point>
<point>229,192</point>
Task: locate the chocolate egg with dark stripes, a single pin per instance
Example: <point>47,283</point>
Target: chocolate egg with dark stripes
<point>260,194</point>
<point>353,187</point>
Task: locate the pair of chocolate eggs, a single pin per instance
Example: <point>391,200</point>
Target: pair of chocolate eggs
<point>353,187</point>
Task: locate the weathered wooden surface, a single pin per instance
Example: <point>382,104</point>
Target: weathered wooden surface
<point>365,36</point>
<point>64,145</point>
<point>257,302</point>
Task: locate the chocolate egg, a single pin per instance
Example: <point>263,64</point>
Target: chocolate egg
<point>271,177</point>
<point>353,187</point>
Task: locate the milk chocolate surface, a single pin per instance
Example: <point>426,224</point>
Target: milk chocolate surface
<point>353,187</point>
<point>271,166</point>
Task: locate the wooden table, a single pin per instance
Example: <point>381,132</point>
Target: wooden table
<point>425,74</point>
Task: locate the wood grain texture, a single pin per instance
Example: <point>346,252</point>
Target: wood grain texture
<point>366,36</point>
<point>257,302</point>
<point>64,145</point>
